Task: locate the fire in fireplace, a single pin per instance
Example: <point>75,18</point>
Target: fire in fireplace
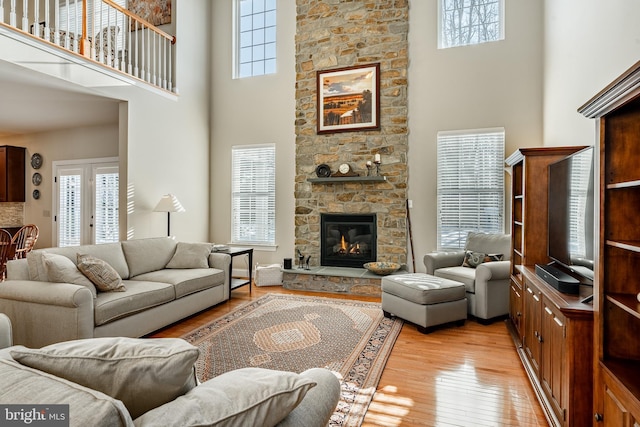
<point>347,240</point>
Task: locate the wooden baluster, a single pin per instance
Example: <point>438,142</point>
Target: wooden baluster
<point>136,69</point>
<point>36,20</point>
<point>56,23</point>
<point>47,18</point>
<point>171,64</point>
<point>12,14</point>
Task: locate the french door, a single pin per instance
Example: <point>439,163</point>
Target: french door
<point>86,202</point>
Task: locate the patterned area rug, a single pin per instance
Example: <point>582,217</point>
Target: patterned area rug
<point>295,333</point>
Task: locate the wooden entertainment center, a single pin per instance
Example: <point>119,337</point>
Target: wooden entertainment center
<point>617,309</point>
<point>552,331</point>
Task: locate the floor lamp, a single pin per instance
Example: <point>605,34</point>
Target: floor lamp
<point>169,203</point>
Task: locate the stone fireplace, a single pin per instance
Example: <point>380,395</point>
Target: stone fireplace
<point>347,240</point>
<point>334,34</point>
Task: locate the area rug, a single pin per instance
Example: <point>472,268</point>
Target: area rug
<point>295,333</point>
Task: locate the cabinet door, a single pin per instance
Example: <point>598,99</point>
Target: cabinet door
<point>615,414</point>
<point>3,174</point>
<point>553,356</point>
<point>531,339</point>
<point>515,306</point>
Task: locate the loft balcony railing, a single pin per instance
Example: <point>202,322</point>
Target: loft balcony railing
<point>101,31</point>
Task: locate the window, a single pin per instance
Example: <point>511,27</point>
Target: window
<point>253,194</point>
<point>466,22</point>
<point>86,202</point>
<point>470,185</point>
<point>255,38</point>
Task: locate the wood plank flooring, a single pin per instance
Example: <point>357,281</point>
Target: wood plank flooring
<point>453,376</point>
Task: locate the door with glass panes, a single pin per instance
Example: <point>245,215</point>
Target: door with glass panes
<point>86,203</point>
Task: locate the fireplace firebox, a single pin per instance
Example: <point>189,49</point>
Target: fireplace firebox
<point>347,240</point>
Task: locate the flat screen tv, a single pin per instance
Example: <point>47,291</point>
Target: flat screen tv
<point>571,212</point>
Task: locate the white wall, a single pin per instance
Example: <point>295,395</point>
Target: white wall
<point>496,84</point>
<point>253,111</point>
<point>588,44</point>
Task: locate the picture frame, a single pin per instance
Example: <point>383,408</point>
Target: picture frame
<point>348,99</point>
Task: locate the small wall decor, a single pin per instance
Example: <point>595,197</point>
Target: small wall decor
<point>156,12</point>
<point>36,161</point>
<point>36,179</point>
<point>349,99</point>
<point>36,194</point>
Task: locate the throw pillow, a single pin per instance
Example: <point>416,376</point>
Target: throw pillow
<point>142,373</point>
<point>191,255</point>
<point>473,259</point>
<point>36,267</point>
<point>101,274</point>
<point>243,397</point>
<point>61,269</point>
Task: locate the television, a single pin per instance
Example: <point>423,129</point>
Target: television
<point>571,213</point>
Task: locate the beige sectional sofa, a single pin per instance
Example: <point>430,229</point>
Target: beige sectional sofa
<point>165,281</point>
<point>110,382</point>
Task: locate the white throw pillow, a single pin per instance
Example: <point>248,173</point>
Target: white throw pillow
<point>243,397</point>
<point>61,269</point>
<point>142,373</point>
<point>191,255</point>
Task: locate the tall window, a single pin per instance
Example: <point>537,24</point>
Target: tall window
<point>466,22</point>
<point>255,38</point>
<point>253,194</point>
<point>470,185</point>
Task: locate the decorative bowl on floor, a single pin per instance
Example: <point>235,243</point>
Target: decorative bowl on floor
<point>382,268</point>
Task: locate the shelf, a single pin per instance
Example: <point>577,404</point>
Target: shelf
<point>331,180</point>
<point>629,245</point>
<point>629,303</point>
<point>626,372</point>
<point>627,184</point>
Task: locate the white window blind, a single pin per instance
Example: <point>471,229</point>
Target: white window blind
<point>253,194</point>
<point>70,207</point>
<point>255,38</point>
<point>467,22</point>
<point>106,224</point>
<point>470,185</point>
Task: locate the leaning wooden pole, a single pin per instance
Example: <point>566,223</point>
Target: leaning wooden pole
<point>413,259</point>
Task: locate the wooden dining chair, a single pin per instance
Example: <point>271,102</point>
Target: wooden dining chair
<point>25,239</point>
<point>5,252</point>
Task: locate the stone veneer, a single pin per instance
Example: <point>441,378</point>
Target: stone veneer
<point>342,33</point>
<point>12,214</point>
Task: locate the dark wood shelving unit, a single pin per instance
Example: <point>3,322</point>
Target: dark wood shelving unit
<point>617,281</point>
<point>552,331</point>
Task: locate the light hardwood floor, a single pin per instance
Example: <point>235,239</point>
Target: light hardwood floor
<point>453,376</point>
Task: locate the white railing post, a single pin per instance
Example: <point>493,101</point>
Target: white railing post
<point>12,14</point>
<point>47,16</point>
<point>25,16</point>
<point>56,22</point>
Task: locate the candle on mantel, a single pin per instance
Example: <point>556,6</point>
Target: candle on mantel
<point>376,158</point>
<point>368,163</point>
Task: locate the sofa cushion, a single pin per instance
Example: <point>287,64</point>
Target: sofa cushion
<point>61,269</point>
<point>243,397</point>
<point>137,297</point>
<point>466,275</point>
<point>142,373</point>
<point>101,274</point>
<point>22,385</point>
<point>186,281</point>
<point>191,255</point>
<point>145,255</point>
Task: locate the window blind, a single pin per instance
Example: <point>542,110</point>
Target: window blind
<point>70,208</point>
<point>106,224</point>
<point>253,194</point>
<point>470,188</point>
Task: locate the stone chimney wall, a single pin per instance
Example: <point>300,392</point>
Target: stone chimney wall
<point>334,34</point>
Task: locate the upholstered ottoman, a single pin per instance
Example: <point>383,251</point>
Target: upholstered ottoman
<point>424,299</point>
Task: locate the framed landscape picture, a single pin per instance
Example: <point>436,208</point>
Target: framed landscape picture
<point>349,99</point>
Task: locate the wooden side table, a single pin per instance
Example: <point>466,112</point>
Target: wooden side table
<point>235,282</point>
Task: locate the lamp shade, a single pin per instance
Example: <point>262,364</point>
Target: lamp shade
<point>169,203</point>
